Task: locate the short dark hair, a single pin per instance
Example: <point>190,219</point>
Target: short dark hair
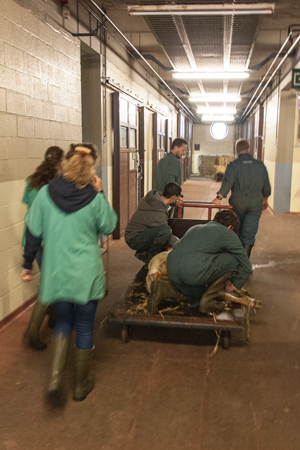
<point>178,142</point>
<point>171,189</point>
<point>227,217</point>
<point>241,145</point>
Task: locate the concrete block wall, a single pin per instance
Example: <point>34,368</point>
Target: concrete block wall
<point>40,106</point>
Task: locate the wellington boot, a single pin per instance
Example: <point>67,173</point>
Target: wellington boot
<point>248,249</point>
<point>84,383</point>
<point>51,316</point>
<point>60,347</point>
<point>31,337</point>
<point>163,291</point>
<point>208,301</point>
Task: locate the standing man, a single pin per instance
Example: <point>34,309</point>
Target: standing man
<point>250,188</point>
<point>168,169</point>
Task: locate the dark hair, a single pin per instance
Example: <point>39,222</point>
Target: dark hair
<point>241,145</point>
<point>227,217</point>
<point>171,189</point>
<point>72,151</point>
<point>48,169</point>
<point>178,142</point>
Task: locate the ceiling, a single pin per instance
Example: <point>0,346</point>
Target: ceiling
<point>209,43</point>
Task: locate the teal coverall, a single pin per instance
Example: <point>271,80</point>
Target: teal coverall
<point>168,170</point>
<point>203,255</point>
<point>249,183</point>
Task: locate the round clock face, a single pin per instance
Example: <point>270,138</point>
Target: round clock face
<point>219,130</point>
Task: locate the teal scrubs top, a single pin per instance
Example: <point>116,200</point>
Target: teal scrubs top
<point>72,268</point>
<point>28,197</point>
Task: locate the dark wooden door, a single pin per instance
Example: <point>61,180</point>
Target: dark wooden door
<point>141,154</point>
<point>125,124</point>
<point>159,140</point>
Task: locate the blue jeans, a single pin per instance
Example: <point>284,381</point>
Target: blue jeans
<point>81,317</point>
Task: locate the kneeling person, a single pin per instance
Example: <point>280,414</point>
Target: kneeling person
<point>148,231</point>
<point>208,259</point>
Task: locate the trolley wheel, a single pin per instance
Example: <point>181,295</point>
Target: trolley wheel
<point>125,334</point>
<point>225,340</point>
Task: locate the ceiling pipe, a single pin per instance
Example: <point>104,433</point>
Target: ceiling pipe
<point>156,61</point>
<point>265,61</point>
<point>248,108</point>
<point>187,110</point>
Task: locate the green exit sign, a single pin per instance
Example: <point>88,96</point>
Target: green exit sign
<point>296,79</point>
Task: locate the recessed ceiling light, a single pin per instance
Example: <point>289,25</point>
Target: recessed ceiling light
<point>217,118</point>
<point>211,75</point>
<point>219,111</point>
<point>216,98</point>
<point>204,9</point>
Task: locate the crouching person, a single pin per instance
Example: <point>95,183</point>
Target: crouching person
<point>67,216</point>
<point>207,260</point>
<point>148,231</point>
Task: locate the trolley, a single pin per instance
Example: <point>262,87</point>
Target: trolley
<point>131,311</point>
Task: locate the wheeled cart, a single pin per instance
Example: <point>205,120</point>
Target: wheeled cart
<point>131,309</point>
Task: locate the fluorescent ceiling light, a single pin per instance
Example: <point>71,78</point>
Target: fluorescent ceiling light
<point>216,98</point>
<point>217,118</point>
<point>209,9</point>
<point>211,75</point>
<point>216,111</point>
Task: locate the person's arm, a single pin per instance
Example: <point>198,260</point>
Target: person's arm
<point>227,183</point>
<point>33,234</point>
<point>31,248</point>
<point>105,215</point>
<point>232,244</point>
<point>266,190</point>
<point>25,198</point>
<point>174,173</point>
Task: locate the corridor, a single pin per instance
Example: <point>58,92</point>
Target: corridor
<point>162,390</point>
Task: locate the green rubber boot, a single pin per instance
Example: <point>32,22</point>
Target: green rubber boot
<point>60,348</point>
<point>208,301</point>
<point>84,383</point>
<point>163,291</point>
<point>31,337</point>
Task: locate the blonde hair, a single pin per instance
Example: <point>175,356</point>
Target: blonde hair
<point>80,169</point>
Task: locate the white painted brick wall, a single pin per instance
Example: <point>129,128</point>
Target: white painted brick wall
<point>40,106</point>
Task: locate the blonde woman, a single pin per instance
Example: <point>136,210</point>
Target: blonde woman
<point>68,215</point>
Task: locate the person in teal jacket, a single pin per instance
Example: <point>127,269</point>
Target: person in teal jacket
<point>43,174</point>
<point>66,218</point>
<point>248,180</point>
<point>168,169</point>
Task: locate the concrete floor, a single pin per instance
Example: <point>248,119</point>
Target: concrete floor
<point>162,391</point>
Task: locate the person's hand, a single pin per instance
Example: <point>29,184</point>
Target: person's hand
<point>216,201</point>
<point>229,287</point>
<point>26,275</point>
<point>179,203</point>
<point>97,183</point>
<point>265,204</point>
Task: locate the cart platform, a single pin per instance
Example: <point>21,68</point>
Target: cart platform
<point>131,310</point>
